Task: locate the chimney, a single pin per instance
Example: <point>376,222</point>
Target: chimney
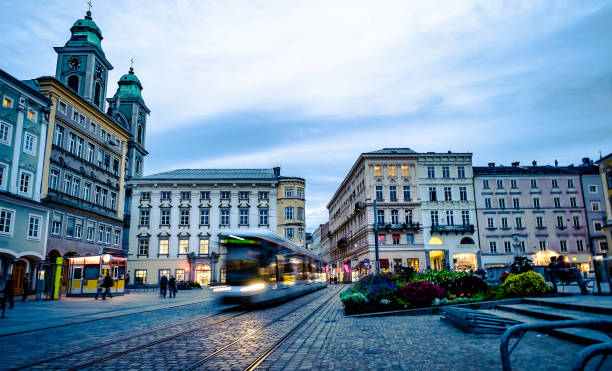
<point>491,164</point>
<point>586,161</point>
<point>534,162</point>
<point>277,171</point>
<point>556,163</point>
<point>516,164</point>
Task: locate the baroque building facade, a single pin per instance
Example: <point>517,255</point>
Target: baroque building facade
<point>86,150</point>
<point>385,180</point>
<point>536,211</point>
<point>24,115</point>
<point>178,215</point>
<point>605,173</point>
<point>448,211</point>
<point>292,208</point>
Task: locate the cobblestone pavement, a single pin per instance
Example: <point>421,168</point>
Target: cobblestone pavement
<point>328,340</point>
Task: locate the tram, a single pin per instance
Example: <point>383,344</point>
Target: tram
<point>84,272</point>
<point>262,266</point>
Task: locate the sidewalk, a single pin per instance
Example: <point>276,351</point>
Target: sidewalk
<point>33,315</point>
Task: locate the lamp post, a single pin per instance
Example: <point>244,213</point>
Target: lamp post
<point>376,239</point>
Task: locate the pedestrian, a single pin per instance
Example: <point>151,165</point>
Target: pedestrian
<point>26,287</point>
<point>108,283</point>
<point>172,286</point>
<point>2,296</point>
<point>8,292</point>
<point>163,285</point>
<point>127,278</point>
<point>100,286</point>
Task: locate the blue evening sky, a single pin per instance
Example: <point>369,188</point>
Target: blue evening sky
<point>309,85</point>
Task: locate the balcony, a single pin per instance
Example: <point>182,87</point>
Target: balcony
<point>399,227</point>
<point>342,242</point>
<point>469,228</point>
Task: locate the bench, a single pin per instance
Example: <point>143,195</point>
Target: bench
<point>567,276</point>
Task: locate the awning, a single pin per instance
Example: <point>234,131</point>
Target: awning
<point>384,263</point>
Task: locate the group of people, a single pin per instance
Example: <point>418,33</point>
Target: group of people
<point>7,293</point>
<point>166,284</point>
<point>559,263</point>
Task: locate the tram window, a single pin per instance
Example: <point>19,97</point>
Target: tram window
<point>91,273</point>
<point>78,273</point>
<point>121,273</point>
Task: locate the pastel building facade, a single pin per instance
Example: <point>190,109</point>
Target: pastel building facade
<point>387,179</point>
<point>448,211</point>
<point>535,211</point>
<point>291,200</point>
<point>177,216</point>
<point>24,115</point>
<point>605,173</point>
<point>594,202</point>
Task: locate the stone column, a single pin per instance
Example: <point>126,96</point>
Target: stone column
<point>427,260</point>
<point>17,145</point>
<point>41,156</point>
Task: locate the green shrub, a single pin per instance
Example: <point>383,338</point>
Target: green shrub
<point>524,284</point>
<point>440,278</point>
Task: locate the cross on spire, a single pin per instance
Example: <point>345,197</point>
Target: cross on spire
<point>132,62</point>
<point>90,5</point>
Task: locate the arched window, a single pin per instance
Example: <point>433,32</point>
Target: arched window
<point>138,166</point>
<point>139,137</point>
<point>97,94</point>
<point>467,241</point>
<point>73,83</point>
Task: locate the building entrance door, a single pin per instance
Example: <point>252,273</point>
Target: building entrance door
<point>18,273</point>
<point>202,274</point>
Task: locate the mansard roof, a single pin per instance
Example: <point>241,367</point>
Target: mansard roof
<point>525,170</point>
<point>213,174</point>
<point>392,151</point>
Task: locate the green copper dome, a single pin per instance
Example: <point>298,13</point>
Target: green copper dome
<point>85,31</point>
<point>129,86</point>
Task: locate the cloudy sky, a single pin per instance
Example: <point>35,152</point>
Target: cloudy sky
<point>309,85</point>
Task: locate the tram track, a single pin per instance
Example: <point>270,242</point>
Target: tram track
<point>270,350</point>
<point>16,333</point>
<point>136,336</point>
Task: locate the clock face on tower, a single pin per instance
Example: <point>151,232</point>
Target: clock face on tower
<point>74,63</point>
<point>99,71</point>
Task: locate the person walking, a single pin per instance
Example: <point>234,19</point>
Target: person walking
<point>172,286</point>
<point>108,283</point>
<point>8,294</point>
<point>100,286</point>
<point>163,285</point>
<point>2,295</point>
<point>26,287</point>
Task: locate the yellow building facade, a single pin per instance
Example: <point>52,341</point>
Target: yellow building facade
<point>291,203</point>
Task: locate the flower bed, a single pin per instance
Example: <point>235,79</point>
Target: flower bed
<point>386,292</point>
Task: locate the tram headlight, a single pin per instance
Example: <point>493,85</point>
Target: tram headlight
<point>254,287</point>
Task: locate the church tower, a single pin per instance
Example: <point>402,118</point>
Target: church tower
<point>81,63</point>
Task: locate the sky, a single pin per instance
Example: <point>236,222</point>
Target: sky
<point>310,85</point>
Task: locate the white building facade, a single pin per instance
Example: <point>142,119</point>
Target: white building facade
<point>178,215</point>
<point>448,211</point>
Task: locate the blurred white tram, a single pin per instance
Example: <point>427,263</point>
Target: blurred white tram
<point>262,266</point>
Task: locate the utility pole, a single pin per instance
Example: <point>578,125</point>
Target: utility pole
<point>376,239</point>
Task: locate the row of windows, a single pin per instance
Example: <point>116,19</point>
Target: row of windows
<point>393,193</point>
<point>76,145</point>
<point>519,247</point>
<point>536,203</point>
<point>30,141</point>
<point>140,275</point>
<point>396,239</point>
<point>518,222</point>
<point>448,194</point>
<point>450,217</point>
<point>25,183</point>
<point>446,173</point>
<point>76,227</point>
<point>290,233</point>
<point>71,185</point>
<point>289,213</point>
<point>204,195</point>
<point>534,184</point>
<point>7,224</point>
<point>185,216</point>
<point>392,170</point>
<point>395,219</point>
<point>7,102</point>
<point>289,193</point>
<point>163,248</point>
